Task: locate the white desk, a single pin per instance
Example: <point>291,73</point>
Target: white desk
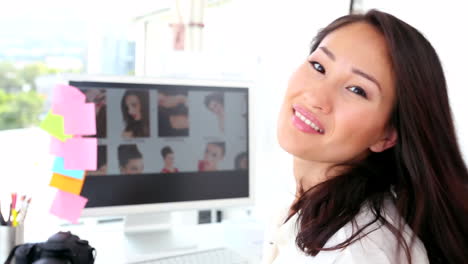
<point>112,246</point>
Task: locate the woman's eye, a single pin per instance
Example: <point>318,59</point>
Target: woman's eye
<point>318,67</point>
<point>358,90</point>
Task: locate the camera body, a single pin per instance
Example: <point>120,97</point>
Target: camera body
<point>61,248</point>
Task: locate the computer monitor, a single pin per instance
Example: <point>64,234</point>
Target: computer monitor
<point>167,145</point>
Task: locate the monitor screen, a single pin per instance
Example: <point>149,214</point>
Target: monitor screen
<point>166,143</point>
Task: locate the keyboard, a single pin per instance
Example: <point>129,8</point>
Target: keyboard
<point>210,256</point>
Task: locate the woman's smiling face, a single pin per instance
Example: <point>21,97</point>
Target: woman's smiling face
<point>339,101</point>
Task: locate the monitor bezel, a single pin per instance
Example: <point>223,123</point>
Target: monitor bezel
<point>185,205</point>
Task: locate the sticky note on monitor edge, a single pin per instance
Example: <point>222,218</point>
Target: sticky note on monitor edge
<point>56,147</point>
<point>54,125</point>
<point>80,154</point>
<point>66,184</point>
<point>66,94</point>
<point>59,167</point>
<point>80,119</point>
<point>68,206</point>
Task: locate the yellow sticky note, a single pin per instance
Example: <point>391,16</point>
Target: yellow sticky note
<point>55,126</point>
<point>66,184</point>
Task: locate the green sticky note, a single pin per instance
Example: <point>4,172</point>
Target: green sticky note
<point>54,125</point>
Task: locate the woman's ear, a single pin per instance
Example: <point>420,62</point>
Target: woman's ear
<point>389,140</point>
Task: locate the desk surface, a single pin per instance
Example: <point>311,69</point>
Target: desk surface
<point>113,246</point>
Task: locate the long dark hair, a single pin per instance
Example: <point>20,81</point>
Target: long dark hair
<point>139,128</point>
<point>424,172</point>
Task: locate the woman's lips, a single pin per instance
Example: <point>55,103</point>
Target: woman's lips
<point>306,121</point>
<point>136,117</point>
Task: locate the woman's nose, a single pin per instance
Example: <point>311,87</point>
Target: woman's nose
<point>319,99</point>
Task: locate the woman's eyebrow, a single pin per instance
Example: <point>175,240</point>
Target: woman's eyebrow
<point>328,52</point>
<point>354,70</point>
<point>367,76</point>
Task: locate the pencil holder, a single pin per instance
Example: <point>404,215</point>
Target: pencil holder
<point>10,237</point>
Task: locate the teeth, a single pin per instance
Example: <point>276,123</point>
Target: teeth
<point>308,122</point>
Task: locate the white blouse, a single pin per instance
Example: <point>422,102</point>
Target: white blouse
<point>379,246</point>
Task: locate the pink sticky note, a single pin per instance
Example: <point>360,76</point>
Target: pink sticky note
<point>80,154</point>
<point>66,93</point>
<point>59,108</point>
<point>64,96</point>
<point>56,147</point>
<point>79,119</point>
<point>68,206</point>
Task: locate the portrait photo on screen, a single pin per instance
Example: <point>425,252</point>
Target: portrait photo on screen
<point>130,159</point>
<point>169,158</point>
<point>101,162</point>
<point>241,162</point>
<point>135,112</point>
<point>98,97</point>
<point>214,102</point>
<point>236,115</point>
<point>212,156</point>
<point>173,113</point>
<point>207,115</point>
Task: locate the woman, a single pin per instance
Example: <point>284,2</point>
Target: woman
<point>130,159</point>
<point>168,157</point>
<point>215,103</point>
<point>241,162</point>
<point>214,154</point>
<point>380,177</point>
<point>135,111</point>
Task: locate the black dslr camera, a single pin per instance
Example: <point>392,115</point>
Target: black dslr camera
<point>61,248</point>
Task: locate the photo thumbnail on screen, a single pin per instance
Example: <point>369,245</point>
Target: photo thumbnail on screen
<point>173,113</point>
<point>130,159</point>
<point>215,104</point>
<point>98,97</point>
<point>214,154</point>
<point>101,162</point>
<point>168,157</point>
<point>135,113</point>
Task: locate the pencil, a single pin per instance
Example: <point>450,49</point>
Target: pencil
<point>22,203</point>
<point>24,210</point>
<point>14,222</point>
<point>9,214</point>
<point>13,200</point>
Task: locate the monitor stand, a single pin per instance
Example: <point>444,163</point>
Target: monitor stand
<point>156,233</point>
